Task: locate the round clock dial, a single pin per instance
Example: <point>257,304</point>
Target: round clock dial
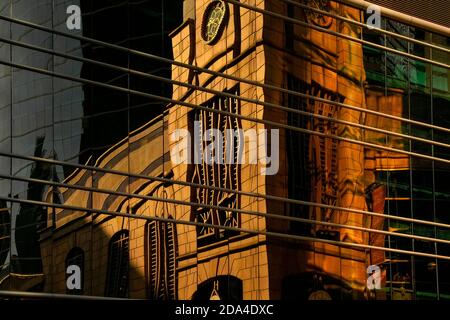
<point>214,20</point>
<point>317,18</point>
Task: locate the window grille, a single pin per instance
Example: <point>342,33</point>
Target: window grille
<point>223,175</point>
<point>160,253</point>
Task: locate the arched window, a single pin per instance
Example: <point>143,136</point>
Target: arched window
<point>220,288</point>
<point>160,252</point>
<point>75,257</point>
<point>118,265</point>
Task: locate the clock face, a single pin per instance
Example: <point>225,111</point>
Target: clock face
<point>214,21</point>
<point>317,18</point>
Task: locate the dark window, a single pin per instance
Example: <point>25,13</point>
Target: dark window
<point>289,27</point>
<point>118,265</point>
<point>299,165</point>
<point>75,257</point>
<point>160,250</point>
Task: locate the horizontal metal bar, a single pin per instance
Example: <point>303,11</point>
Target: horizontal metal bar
<point>337,34</point>
<point>404,18</point>
<point>364,25</point>
<point>217,207</point>
<point>251,194</point>
<point>207,225</point>
<point>226,113</point>
<point>225,94</point>
<point>220,74</point>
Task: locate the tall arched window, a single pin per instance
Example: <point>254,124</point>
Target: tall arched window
<point>160,251</point>
<point>118,265</point>
<point>223,173</point>
<point>75,257</point>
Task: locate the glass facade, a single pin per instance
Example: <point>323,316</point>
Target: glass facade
<point>85,120</point>
<point>53,118</point>
<point>417,192</point>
